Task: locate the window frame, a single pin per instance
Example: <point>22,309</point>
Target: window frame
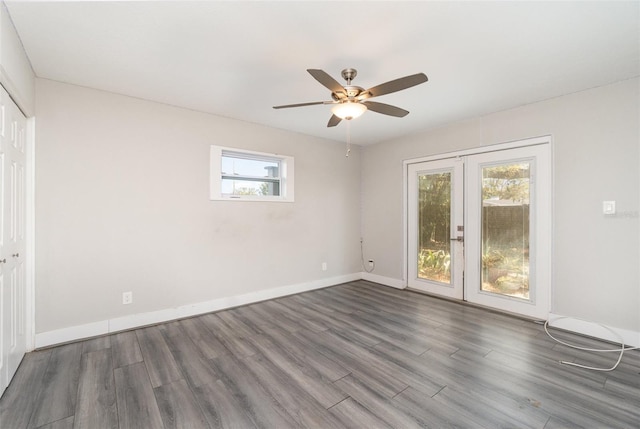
<point>286,172</point>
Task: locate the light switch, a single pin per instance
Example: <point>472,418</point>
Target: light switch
<point>609,207</point>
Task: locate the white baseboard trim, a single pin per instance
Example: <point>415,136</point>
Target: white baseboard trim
<point>593,329</point>
<point>74,333</point>
<point>387,281</point>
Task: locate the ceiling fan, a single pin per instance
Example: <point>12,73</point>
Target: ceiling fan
<point>352,101</point>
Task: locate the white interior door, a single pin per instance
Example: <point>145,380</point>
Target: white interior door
<point>435,217</point>
<point>479,228</point>
<point>13,302</point>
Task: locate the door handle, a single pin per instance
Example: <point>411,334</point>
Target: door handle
<point>15,255</point>
<point>460,238</point>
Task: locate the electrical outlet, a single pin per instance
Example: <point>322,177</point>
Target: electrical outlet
<point>127,297</point>
<point>324,266</point>
<point>370,263</point>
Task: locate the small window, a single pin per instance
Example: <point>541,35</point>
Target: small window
<point>250,176</point>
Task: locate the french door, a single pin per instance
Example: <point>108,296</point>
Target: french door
<point>13,301</point>
<point>437,225</point>
<point>479,228</point>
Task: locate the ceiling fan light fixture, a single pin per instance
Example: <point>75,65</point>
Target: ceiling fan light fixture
<point>348,110</point>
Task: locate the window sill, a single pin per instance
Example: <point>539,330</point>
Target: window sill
<point>253,198</point>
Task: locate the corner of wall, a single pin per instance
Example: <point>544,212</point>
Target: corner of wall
<point>16,73</point>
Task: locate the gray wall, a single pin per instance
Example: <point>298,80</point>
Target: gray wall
<point>596,143</point>
<point>122,204</point>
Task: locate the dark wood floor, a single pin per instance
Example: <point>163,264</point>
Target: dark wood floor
<point>356,355</point>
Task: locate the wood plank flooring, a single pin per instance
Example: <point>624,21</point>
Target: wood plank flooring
<point>357,355</point>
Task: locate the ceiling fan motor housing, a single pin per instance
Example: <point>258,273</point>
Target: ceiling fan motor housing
<point>349,94</point>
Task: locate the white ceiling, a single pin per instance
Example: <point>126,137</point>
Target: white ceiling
<point>238,59</point>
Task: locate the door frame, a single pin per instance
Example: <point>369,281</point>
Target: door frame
<point>30,228</point>
<point>533,141</point>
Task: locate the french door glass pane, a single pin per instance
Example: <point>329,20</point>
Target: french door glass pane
<point>505,229</point>
<point>434,221</point>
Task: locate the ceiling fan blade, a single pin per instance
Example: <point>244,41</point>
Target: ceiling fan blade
<point>396,85</point>
<point>333,121</point>
<point>326,80</point>
<point>386,109</point>
<point>313,103</point>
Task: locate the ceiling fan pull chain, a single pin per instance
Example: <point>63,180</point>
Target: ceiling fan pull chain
<point>348,138</point>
